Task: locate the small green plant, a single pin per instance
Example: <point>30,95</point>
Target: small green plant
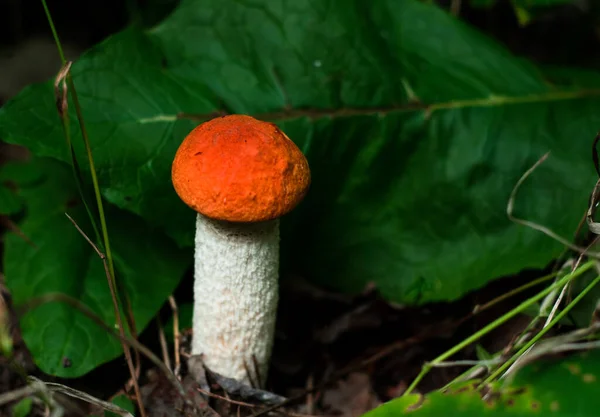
<point>557,387</point>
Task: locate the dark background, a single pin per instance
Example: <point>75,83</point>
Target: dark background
<point>565,34</point>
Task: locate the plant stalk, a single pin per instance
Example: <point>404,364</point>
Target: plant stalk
<point>499,321</point>
<point>100,206</point>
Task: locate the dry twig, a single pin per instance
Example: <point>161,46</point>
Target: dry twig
<point>133,371</point>
<point>176,336</point>
<point>245,404</point>
<point>163,344</point>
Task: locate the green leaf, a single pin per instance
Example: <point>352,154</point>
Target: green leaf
<point>559,388</point>
<point>408,195</point>
<point>122,401</point>
<point>22,408</point>
<point>62,340</point>
<point>482,354</point>
<point>9,202</point>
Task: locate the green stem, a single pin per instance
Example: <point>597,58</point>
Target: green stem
<point>73,92</point>
<point>542,332</point>
<point>516,291</point>
<point>86,140</point>
<point>109,264</point>
<point>499,321</point>
<point>54,32</point>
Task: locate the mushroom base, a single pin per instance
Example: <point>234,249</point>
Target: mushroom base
<point>236,294</point>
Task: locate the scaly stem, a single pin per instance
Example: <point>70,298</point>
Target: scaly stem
<point>235,296</point>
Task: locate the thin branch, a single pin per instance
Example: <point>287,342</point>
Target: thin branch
<point>12,227</point>
<point>85,310</point>
<point>547,231</point>
<point>17,394</point>
<point>163,344</point>
<point>71,392</point>
<point>310,400</point>
<point>38,389</point>
<point>542,332</point>
<point>62,104</point>
<point>176,335</point>
<point>314,113</point>
<point>558,344</point>
<point>455,7</point>
<point>101,255</point>
<point>113,292</point>
<point>449,364</point>
<point>244,404</point>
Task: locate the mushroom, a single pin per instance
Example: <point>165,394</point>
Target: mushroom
<point>240,175</point>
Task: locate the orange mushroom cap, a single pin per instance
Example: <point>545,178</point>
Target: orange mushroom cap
<point>239,169</point>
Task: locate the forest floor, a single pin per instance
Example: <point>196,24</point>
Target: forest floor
<point>334,355</point>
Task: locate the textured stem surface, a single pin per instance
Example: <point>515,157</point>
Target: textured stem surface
<point>235,296</point>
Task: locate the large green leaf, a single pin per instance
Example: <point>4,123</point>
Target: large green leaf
<point>10,203</point>
<point>148,266</point>
<point>560,388</point>
<point>408,194</point>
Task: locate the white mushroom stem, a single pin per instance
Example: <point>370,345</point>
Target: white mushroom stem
<point>235,296</point>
